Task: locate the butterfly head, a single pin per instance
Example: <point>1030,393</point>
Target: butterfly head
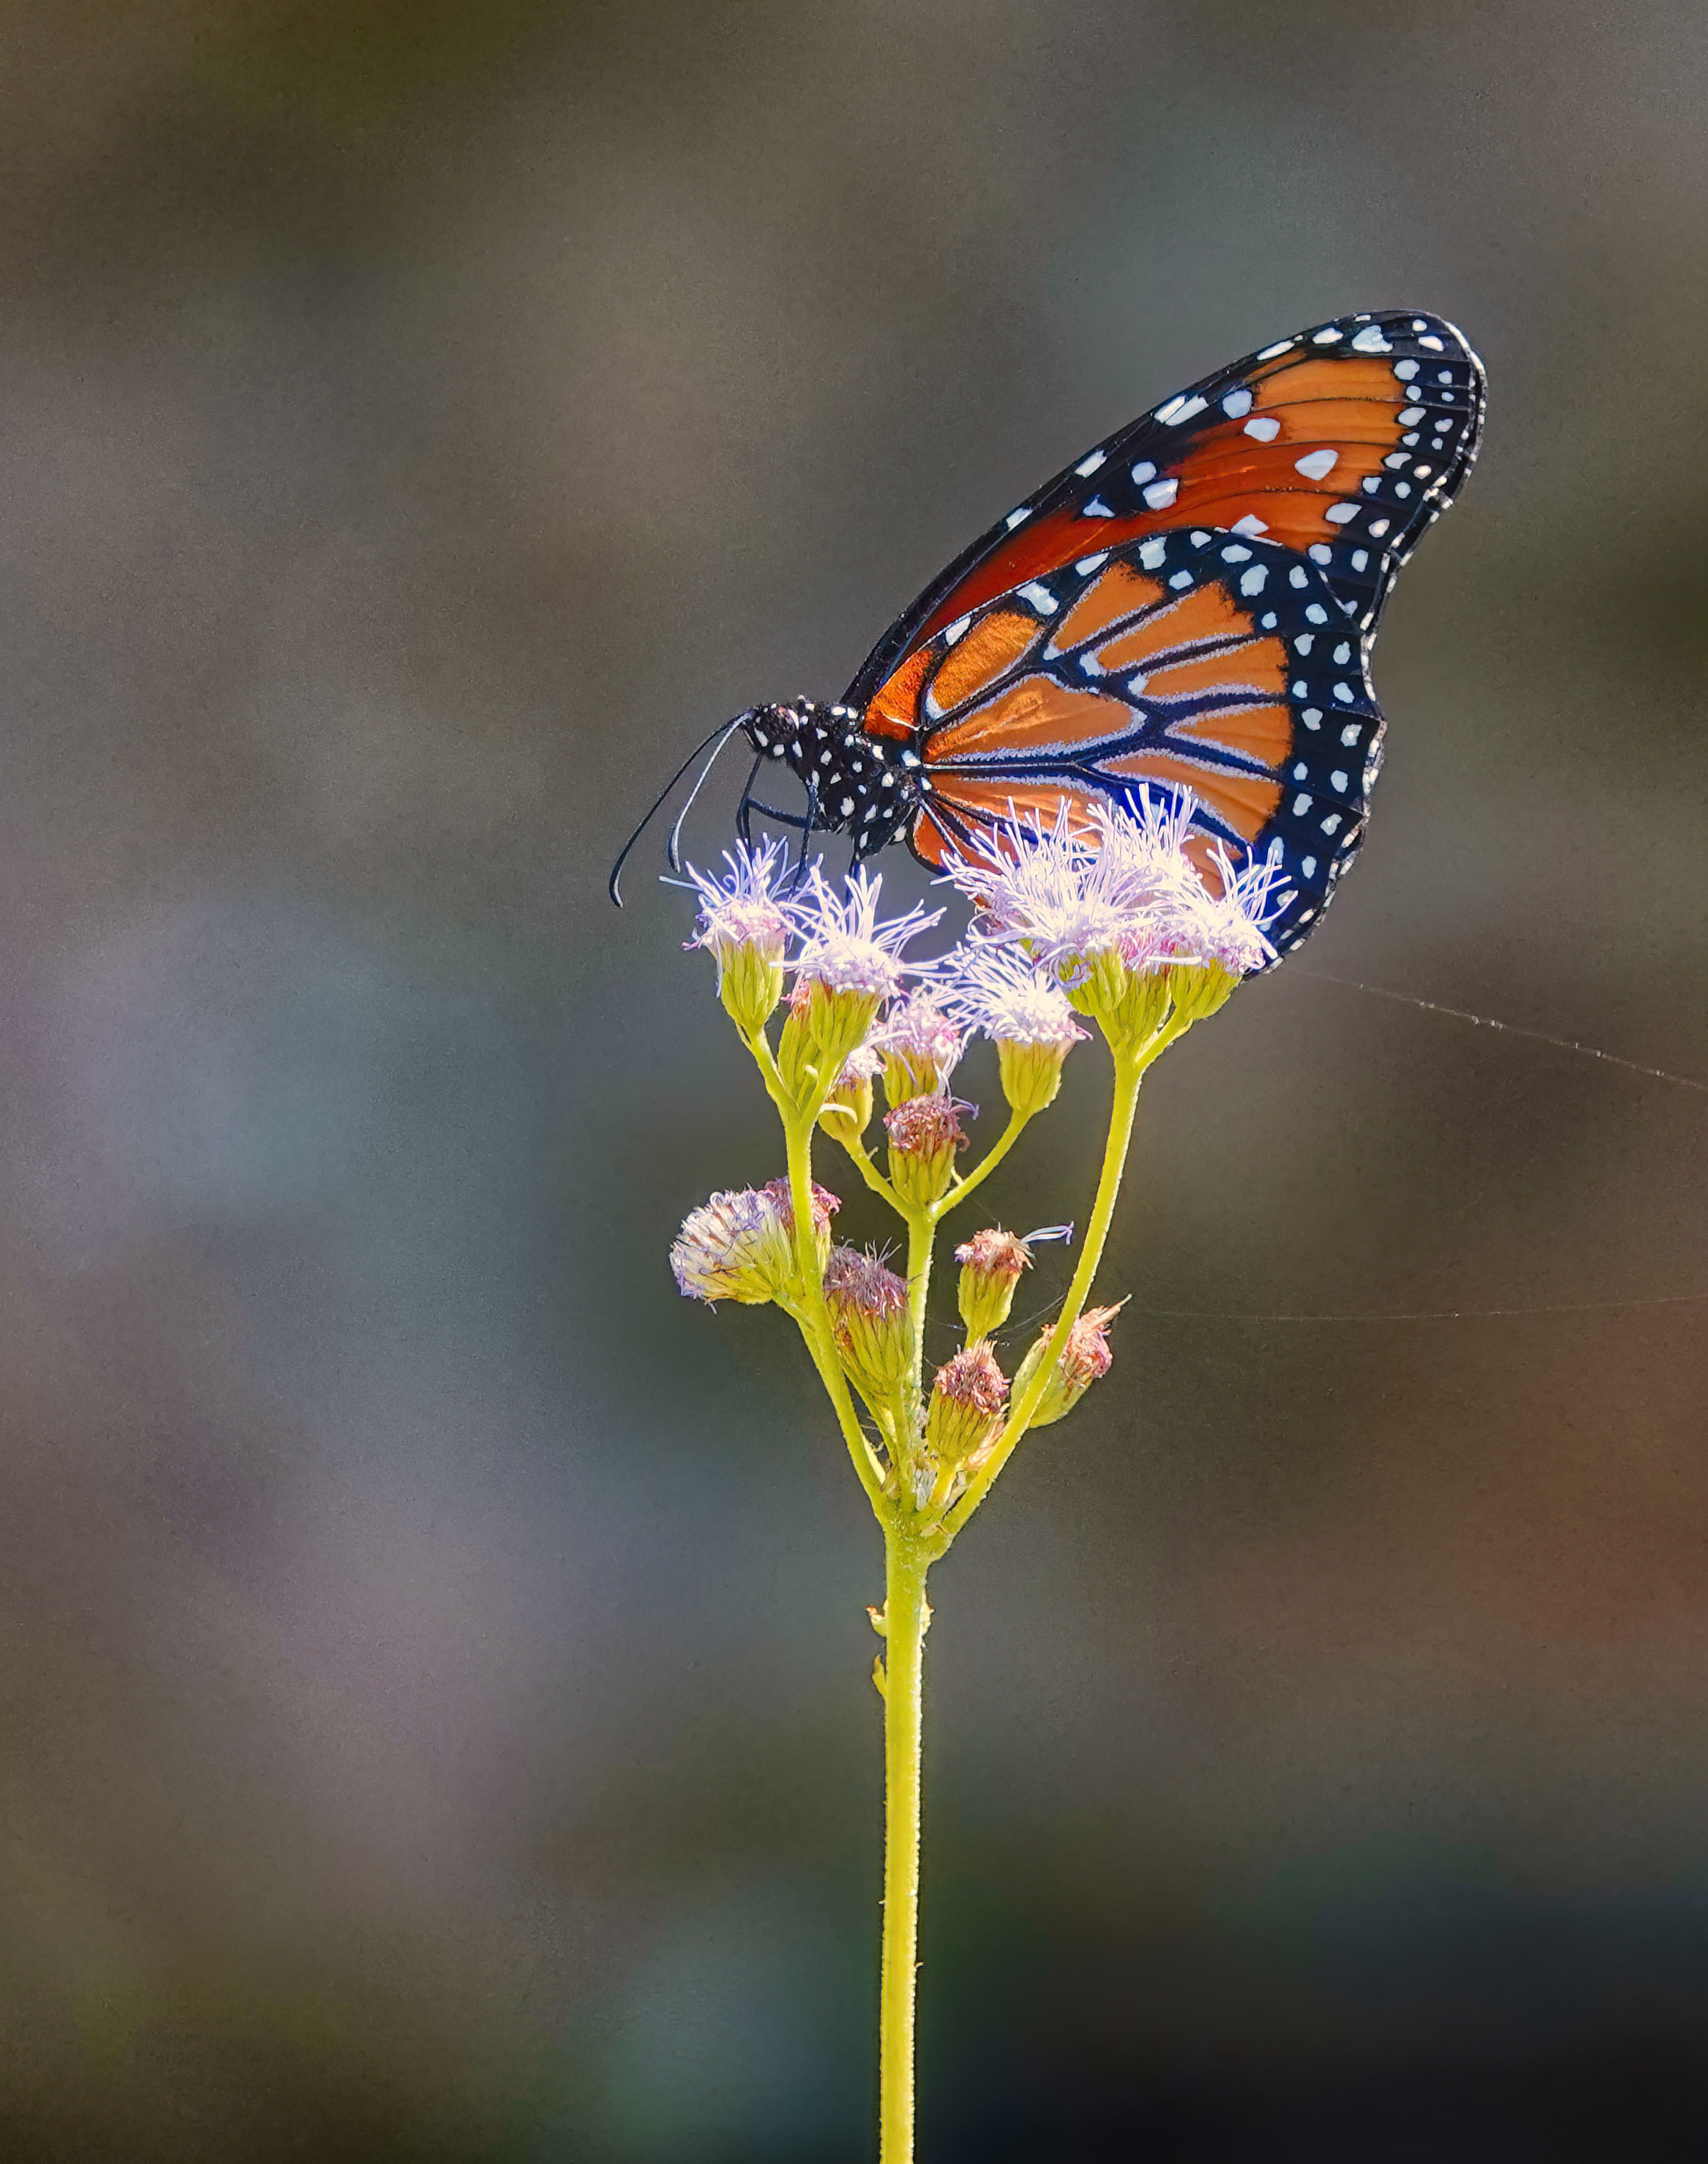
<point>856,784</point>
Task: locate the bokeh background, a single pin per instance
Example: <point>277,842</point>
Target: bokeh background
<point>437,1720</point>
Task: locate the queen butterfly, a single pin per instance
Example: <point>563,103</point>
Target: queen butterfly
<point>1189,608</point>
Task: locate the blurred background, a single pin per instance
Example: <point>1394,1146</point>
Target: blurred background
<point>437,1720</point>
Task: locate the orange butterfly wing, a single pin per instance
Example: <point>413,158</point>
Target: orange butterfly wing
<point>1192,661</point>
<point>1343,442</point>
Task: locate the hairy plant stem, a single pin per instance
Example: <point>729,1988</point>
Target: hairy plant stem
<point>906,1615</point>
<point>915,1537</point>
<point>798,1133</point>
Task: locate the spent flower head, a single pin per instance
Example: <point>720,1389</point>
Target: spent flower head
<point>968,1398</point>
<point>741,1245</point>
<point>1084,1359</point>
<point>868,1309</point>
<point>990,1262</point>
<point>924,1134</point>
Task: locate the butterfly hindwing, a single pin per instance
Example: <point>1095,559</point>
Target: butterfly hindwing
<point>1343,442</point>
<point>1191,661</point>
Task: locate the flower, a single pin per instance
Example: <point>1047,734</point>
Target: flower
<point>847,1111</point>
<point>990,1262</point>
<point>1084,1359</point>
<point>843,945</point>
<point>745,925</point>
<point>920,1046</point>
<point>1113,907</point>
<point>967,1401</point>
<point>924,1134</point>
<point>741,1245</point>
<point>996,990</point>
<point>1225,931</point>
<point>847,964</point>
<point>1040,887</point>
<point>868,1309</point>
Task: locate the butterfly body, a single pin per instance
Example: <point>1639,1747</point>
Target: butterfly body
<point>1188,609</point>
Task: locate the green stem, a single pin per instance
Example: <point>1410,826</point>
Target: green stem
<point>798,1133</point>
<point>994,1157</point>
<point>906,1616</point>
<point>870,1174</point>
<point>1130,1073</point>
<point>921,1225</point>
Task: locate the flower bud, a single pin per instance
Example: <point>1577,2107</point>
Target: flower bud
<point>967,1401</point>
<point>1084,1358</point>
<point>741,1245</point>
<point>868,1306</point>
<point>990,1262</point>
<point>847,1111</point>
<point>924,1134</point>
<point>920,1049</point>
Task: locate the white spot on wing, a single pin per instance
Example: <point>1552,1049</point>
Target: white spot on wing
<point>1088,466</point>
<point>1265,427</point>
<point>1145,471</point>
<point>1018,517</point>
<point>1236,403</point>
<point>1181,409</point>
<point>1097,508</point>
<point>1330,335</point>
<point>1336,514</point>
<point>1254,580</point>
<point>1162,493</point>
<point>956,630</point>
<point>1316,465</point>
<point>1087,565</point>
<point>1371,341</point>
<point>1040,596</point>
<point>1251,523</point>
<point>1151,553</point>
<point>1405,370</point>
<point>1269,352</point>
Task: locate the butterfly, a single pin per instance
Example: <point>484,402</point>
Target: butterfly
<point>1188,609</point>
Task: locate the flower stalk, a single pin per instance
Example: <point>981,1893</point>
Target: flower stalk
<point>1109,923</point>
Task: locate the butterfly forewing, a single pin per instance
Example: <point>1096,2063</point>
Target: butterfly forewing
<point>1343,442</point>
<point>1193,660</point>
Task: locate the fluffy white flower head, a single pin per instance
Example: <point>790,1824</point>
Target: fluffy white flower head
<point>1226,930</point>
<point>741,906</point>
<point>920,1044</point>
<point>1045,887</point>
<point>1118,881</point>
<point>843,946</point>
<point>996,990</point>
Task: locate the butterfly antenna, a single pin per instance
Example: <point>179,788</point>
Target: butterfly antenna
<point>672,848</point>
<point>718,736</point>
